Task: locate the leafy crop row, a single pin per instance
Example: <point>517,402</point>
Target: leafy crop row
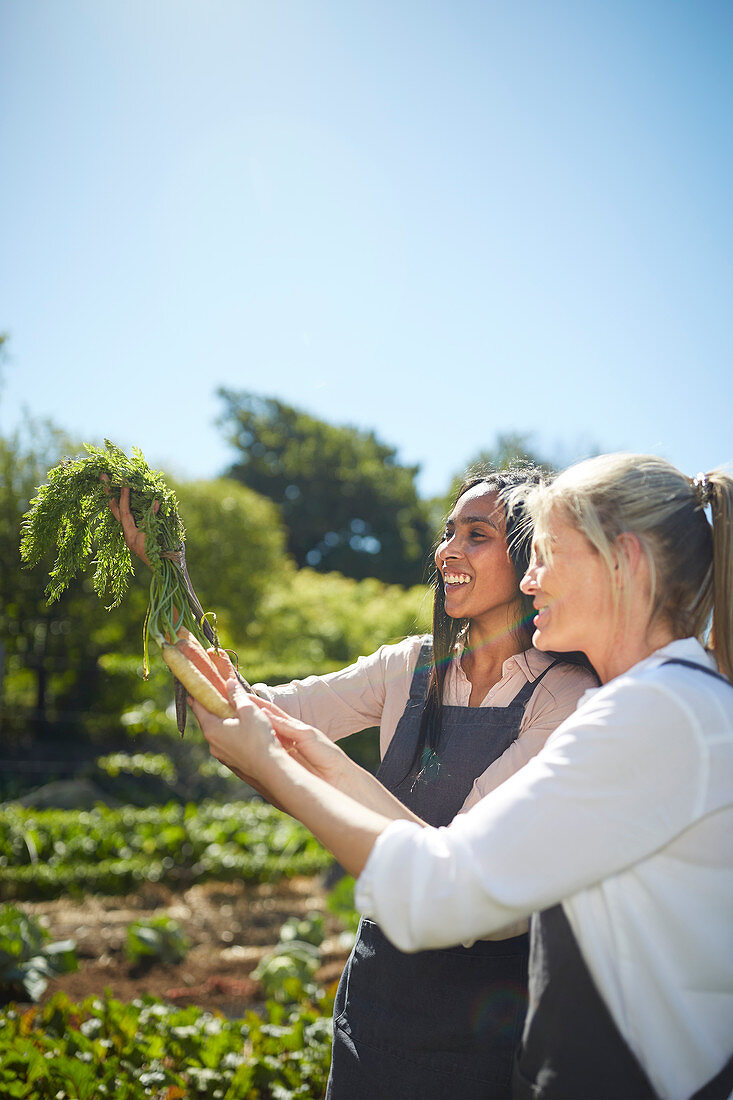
<point>47,853</point>
<point>103,1048</point>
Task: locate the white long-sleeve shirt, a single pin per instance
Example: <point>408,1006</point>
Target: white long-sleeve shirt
<point>374,692</point>
<point>626,817</point>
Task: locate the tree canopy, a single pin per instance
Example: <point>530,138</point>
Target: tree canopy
<point>348,504</point>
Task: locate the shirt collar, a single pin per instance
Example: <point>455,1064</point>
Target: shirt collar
<point>530,663</point>
<point>685,649</point>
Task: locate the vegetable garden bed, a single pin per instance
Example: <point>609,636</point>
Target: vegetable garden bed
<point>231,926</point>
<point>102,1048</point>
<point>50,853</point>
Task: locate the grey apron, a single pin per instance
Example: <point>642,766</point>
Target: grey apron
<point>435,1024</point>
<point>572,1048</point>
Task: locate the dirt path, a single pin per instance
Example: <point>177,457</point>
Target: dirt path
<point>230,925</point>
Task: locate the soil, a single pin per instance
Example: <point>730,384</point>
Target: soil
<point>230,926</point>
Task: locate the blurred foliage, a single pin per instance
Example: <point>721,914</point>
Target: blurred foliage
<point>340,902</point>
<point>287,973</point>
<point>139,763</point>
<point>155,940</point>
<point>310,928</point>
<point>101,1049</point>
<point>52,853</point>
<point>317,623</point>
<point>27,960</point>
<point>235,549</point>
<point>346,502</point>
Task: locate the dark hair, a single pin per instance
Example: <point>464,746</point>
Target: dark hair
<point>446,630</point>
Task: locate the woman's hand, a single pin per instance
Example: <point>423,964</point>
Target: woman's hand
<point>310,747</point>
<point>246,743</point>
<point>134,537</point>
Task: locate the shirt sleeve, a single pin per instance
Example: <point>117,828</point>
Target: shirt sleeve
<point>555,699</point>
<point>352,699</point>
<point>615,783</point>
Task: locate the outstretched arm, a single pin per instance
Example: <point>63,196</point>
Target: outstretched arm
<point>320,756</point>
<point>249,744</point>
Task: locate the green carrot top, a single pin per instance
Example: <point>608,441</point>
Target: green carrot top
<point>70,515</point>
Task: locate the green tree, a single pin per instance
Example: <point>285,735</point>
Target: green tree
<point>49,651</point>
<point>348,504</point>
<point>509,448</point>
<point>314,623</point>
<point>235,549</point>
<point>3,350</point>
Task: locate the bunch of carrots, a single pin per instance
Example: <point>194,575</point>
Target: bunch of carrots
<point>71,516</point>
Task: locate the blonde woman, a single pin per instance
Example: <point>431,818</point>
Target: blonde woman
<point>617,836</point>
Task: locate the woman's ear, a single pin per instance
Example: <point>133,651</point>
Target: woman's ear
<point>629,553</point>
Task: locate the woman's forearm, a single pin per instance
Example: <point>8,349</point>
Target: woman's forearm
<point>345,825</point>
<point>364,788</point>
<point>348,821</point>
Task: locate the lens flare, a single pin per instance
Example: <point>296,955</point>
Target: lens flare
<point>497,1012</point>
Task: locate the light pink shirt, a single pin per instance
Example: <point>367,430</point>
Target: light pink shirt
<point>375,689</point>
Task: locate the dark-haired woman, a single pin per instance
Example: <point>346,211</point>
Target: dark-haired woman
<point>458,714</point>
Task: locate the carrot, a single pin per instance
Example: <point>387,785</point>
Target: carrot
<point>189,663</point>
<point>200,657</point>
<point>222,663</point>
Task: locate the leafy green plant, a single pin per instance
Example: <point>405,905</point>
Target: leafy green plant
<point>286,973</point>
<point>71,514</point>
<point>27,959</point>
<point>101,1049</point>
<point>308,929</point>
<point>157,940</point>
<point>139,763</point>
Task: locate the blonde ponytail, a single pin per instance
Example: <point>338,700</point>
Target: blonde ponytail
<point>720,494</point>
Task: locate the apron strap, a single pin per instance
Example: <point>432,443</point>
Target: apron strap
<point>525,693</point>
<point>700,668</point>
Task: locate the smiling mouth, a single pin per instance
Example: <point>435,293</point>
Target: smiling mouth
<point>456,578</point>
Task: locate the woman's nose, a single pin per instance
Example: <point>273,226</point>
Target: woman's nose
<point>528,582</point>
<point>446,549</point>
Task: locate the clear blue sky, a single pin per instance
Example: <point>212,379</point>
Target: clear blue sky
<point>437,221</point>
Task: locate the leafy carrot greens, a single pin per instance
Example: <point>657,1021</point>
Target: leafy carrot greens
<point>70,515</point>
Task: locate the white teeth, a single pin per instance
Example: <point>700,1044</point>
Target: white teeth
<point>456,578</point>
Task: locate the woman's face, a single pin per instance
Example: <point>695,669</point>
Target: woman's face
<point>478,575</point>
<point>571,592</point>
